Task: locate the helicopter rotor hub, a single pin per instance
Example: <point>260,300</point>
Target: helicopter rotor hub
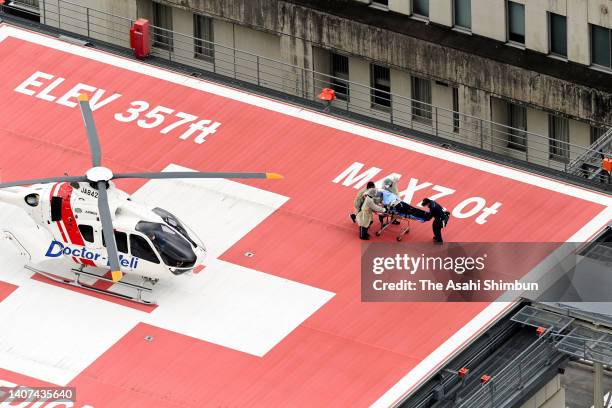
<point>96,174</point>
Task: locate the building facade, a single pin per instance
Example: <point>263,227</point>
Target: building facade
<point>531,79</point>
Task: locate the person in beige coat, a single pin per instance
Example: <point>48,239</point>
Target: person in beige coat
<point>365,215</point>
<point>359,199</point>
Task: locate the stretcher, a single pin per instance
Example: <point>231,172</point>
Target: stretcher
<point>391,215</point>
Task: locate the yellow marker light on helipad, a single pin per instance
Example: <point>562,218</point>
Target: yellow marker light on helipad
<point>83,98</point>
<point>116,276</point>
<point>274,176</point>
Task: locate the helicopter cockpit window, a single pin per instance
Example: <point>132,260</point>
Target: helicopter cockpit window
<point>87,232</point>
<point>32,200</point>
<point>141,249</point>
<point>173,247</point>
<point>120,239</point>
<point>175,223</point>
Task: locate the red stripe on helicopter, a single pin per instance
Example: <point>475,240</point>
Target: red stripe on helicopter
<point>69,221</point>
<point>58,223</point>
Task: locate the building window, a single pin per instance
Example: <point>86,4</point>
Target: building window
<point>455,110</point>
<point>462,13</point>
<point>558,34</point>
<point>596,133</point>
<point>558,138</point>
<point>203,37</point>
<point>340,76</point>
<point>381,86</point>
<point>601,46</point>
<point>517,121</point>
<point>383,3</point>
<point>420,8</point>
<point>516,22</point>
<point>421,95</point>
<point>162,26</point>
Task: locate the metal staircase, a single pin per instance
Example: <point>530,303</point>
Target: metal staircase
<point>588,164</point>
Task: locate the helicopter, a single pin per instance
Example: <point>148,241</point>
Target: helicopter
<point>102,232</point>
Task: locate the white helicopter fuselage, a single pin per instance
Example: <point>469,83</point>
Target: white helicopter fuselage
<point>151,242</point>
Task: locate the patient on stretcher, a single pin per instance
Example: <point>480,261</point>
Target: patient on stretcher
<point>396,206</point>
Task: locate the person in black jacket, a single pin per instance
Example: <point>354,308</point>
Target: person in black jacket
<point>440,216</point>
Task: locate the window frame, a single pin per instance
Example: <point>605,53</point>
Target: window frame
<point>160,31</point>
<point>375,92</point>
<point>457,26</point>
<point>418,15</point>
<point>595,132</point>
<point>337,83</point>
<point>456,118</point>
<point>593,64</point>
<point>517,137</point>
<point>203,48</point>
<point>550,35</point>
<point>563,145</point>
<point>380,4</point>
<point>421,111</point>
<point>508,32</point>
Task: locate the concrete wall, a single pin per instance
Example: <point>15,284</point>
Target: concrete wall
<point>441,12</point>
<point>487,24</point>
<point>285,35</point>
<point>400,6</point>
<point>407,53</point>
<point>552,395</point>
<point>103,22</point>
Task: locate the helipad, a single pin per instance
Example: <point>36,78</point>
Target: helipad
<point>284,325</point>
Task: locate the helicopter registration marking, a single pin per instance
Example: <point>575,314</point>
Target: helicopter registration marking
<point>89,192</point>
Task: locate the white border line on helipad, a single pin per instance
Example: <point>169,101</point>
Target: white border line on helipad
<point>478,323</point>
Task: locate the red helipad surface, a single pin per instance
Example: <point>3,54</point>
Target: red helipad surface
<point>347,353</point>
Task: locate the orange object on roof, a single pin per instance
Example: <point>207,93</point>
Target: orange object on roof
<point>606,164</point>
<point>327,94</point>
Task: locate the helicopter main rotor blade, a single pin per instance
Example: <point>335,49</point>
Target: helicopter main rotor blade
<point>196,174</point>
<point>108,230</point>
<point>90,128</point>
<point>59,179</point>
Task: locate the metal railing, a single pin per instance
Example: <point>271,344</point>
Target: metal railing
<point>511,382</point>
<point>588,164</point>
<point>352,97</point>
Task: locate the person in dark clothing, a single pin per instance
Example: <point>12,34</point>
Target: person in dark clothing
<point>440,217</point>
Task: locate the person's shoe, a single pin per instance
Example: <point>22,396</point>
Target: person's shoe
<point>367,237</point>
<point>396,222</point>
<point>438,241</point>
<point>354,218</point>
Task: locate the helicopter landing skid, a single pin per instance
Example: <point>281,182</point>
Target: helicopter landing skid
<point>77,282</point>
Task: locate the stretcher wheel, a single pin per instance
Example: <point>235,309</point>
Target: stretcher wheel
<point>399,238</point>
<point>378,233</point>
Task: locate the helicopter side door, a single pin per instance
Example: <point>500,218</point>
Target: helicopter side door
<point>145,257</point>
